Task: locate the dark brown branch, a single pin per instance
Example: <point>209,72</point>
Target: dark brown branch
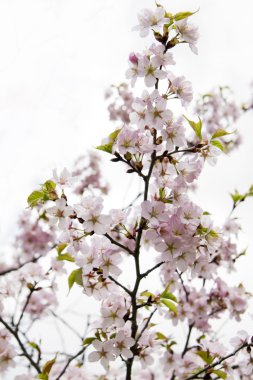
<point>122,286</point>
<point>195,376</point>
<point>187,340</point>
<point>21,345</point>
<point>13,269</point>
<point>115,242</point>
<point>145,274</point>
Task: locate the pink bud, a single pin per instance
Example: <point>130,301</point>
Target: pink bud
<point>133,58</point>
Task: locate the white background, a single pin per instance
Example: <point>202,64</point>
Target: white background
<point>57,59</point>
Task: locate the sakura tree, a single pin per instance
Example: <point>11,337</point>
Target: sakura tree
<point>176,254</point>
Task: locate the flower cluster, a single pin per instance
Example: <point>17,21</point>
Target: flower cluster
<point>74,233</point>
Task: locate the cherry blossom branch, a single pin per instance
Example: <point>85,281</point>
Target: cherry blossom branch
<point>191,149</point>
<point>210,366</point>
<point>69,361</point>
<point>145,274</point>
<point>115,242</point>
<point>21,345</point>
<point>134,169</point>
<point>133,201</point>
<point>183,285</point>
<point>122,286</point>
<point>187,340</point>
<point>145,326</point>
<point>13,269</point>
<point>24,307</point>
<point>148,176</point>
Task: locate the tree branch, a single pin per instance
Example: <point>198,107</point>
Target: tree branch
<point>195,376</point>
<point>23,349</point>
<point>113,241</point>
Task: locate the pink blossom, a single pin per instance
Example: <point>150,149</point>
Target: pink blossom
<point>150,19</point>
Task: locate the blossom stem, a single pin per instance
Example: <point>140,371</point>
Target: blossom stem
<point>215,364</point>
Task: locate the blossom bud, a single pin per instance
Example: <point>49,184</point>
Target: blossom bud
<point>133,58</point>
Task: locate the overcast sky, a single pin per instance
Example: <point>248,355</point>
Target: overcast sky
<point>57,59</point>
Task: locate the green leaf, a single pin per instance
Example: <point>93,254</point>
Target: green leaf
<point>147,294</point>
<point>88,341</point>
<point>49,186</point>
<point>112,137</point>
<point>170,305</point>
<point>220,373</point>
<point>197,127</point>
<point>181,15</point>
<point>165,290</point>
<point>34,345</point>
<point>35,197</point>
<point>237,197</point>
<point>75,277</point>
<point>42,376</point>
<point>160,336</point>
<point>169,296</point>
<point>218,144</point>
<point>61,247</point>
<point>220,133</point>
<point>65,257</point>
<point>48,366</point>
<point>205,356</point>
<point>105,148</point>
<point>213,234</point>
<point>114,134</point>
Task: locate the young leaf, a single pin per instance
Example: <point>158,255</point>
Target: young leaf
<point>220,133</point>
<point>220,373</point>
<point>181,15</point>
<point>105,148</point>
<point>170,305</point>
<point>61,247</point>
<point>65,257</point>
<point>108,147</point>
<point>88,341</point>
<point>49,186</point>
<point>169,296</point>
<point>48,366</point>
<point>197,127</point>
<point>205,356</point>
<point>160,336</point>
<point>75,277</point>
<point>114,135</point>
<point>218,144</point>
<point>35,197</point>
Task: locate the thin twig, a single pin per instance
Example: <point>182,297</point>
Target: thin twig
<point>115,242</point>
<point>145,274</point>
<point>69,361</point>
<point>122,286</point>
<point>195,376</point>
<point>187,340</point>
<point>13,269</point>
<point>21,345</point>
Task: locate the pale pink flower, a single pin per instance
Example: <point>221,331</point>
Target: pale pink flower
<point>183,89</point>
<point>64,179</point>
<point>150,19</point>
<point>103,353</point>
<point>150,71</point>
<point>60,213</point>
<point>122,344</point>
<point>97,223</point>
<point>188,33</point>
